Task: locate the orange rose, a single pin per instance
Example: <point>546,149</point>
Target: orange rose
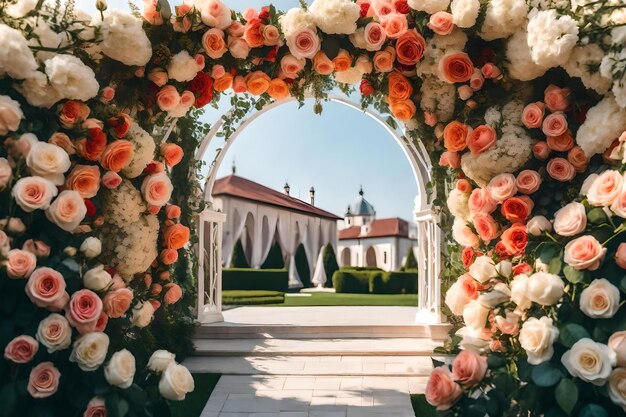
<point>257,82</point>
<point>253,33</point>
<point>514,239</point>
<point>455,136</point>
<point>343,61</point>
<point>456,67</point>
<point>517,209</point>
<point>176,236</point>
<point>561,143</point>
<point>278,89</point>
<point>224,83</point>
<point>400,88</point>
<point>410,48</point>
<point>481,139</point>
<point>322,64</point>
<point>403,110</point>
<point>117,155</point>
<point>85,179</point>
<point>576,156</point>
<point>168,256</point>
<point>120,124</point>
<point>172,153</point>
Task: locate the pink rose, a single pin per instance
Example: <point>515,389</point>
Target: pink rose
<point>441,390</point>
<point>556,99</point>
<point>20,263</point>
<point>430,119</point>
<point>187,98</point>
<point>236,29</point>
<point>450,159</point>
<point>84,311</point>
<point>561,143</point>
<point>560,169</point>
<point>617,343</point>
<point>469,368</point>
<point>464,186</point>
<point>238,48</point>
<point>528,181</point>
<point>168,98</point>
<point>111,180</point>
<point>215,14</point>
<point>303,43</point>
<point>441,23</point>
<point>173,293</point>
<point>619,205</point>
<point>375,36</point>
<point>620,255</point>
<point>554,124</point>
<point>533,113</point>
<point>271,35</point>
<point>383,60</point>
<point>477,80</point>
<point>43,380</point>
<point>117,302</point>
<point>158,76</point>
<point>46,289</point>
<point>21,349</point>
<point>291,66</point>
<point>218,71</point>
<point>37,247</point>
<point>250,13</point>
<point>481,139</point>
<point>486,227</point>
<point>239,84</point>
<point>605,189</point>
<point>101,323</point>
<point>509,324</point>
<point>502,186</point>
<point>570,220</point>
<point>395,25</point>
<point>576,156</point>
<point>382,9</point>
<point>151,14</point>
<point>214,43</point>
<point>157,189</point>
<point>33,193</point>
<point>465,92</point>
<point>63,141</point>
<point>584,252</point>
<point>107,94</point>
<point>489,70</point>
<point>96,408</point>
<point>67,211</point>
<point>541,150</point>
<point>480,201</point>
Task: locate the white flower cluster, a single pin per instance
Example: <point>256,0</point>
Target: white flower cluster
<point>129,235</point>
<point>143,150</point>
<point>335,16</point>
<point>580,63</point>
<point>511,151</point>
<point>45,37</point>
<point>458,204</point>
<point>465,12</point>
<point>124,40</point>
<point>436,48</point>
<point>71,78</point>
<point>604,123</point>
<point>183,67</point>
<point>551,37</point>
<point>296,19</point>
<point>503,18</point>
<point>16,58</point>
<point>613,67</point>
<point>549,4</point>
<point>520,65</point>
<point>429,6</point>
<point>438,97</point>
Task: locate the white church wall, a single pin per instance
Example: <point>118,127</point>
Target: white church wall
<point>390,251</point>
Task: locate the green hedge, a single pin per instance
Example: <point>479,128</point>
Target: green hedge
<point>252,297</point>
<point>255,279</point>
<point>360,268</point>
<point>330,263</point>
<point>374,282</point>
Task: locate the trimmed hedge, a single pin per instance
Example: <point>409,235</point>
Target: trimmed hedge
<point>255,279</point>
<point>330,264</point>
<point>274,258</point>
<point>252,297</point>
<point>360,268</point>
<point>374,282</point>
<point>238,260</point>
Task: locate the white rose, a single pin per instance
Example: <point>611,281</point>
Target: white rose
<point>617,387</point>
<point>90,351</point>
<point>142,314</point>
<point>462,234</point>
<point>120,370</point>
<point>71,78</point>
<point>91,247</point>
<point>600,300</point>
<point>456,298</point>
<point>335,16</point>
<point>48,161</point>
<point>504,268</point>
<point>545,289</point>
<point>538,225</point>
<point>590,361</point>
<point>350,76</point>
<point>67,211</point>
<point>475,315</point>
<point>160,360</point>
<point>537,337</point>
<point>54,332</point>
<point>16,58</point>
<point>37,91</point>
<point>584,189</point>
<point>10,115</point>
<point>175,382</point>
<point>570,220</point>
<point>97,278</point>
<point>498,295</point>
<point>33,193</point>
<point>457,203</point>
<point>483,269</point>
<point>473,340</point>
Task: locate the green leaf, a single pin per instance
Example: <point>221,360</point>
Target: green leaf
<point>566,395</point>
<point>116,406</point>
<point>554,267</point>
<point>546,375</point>
<point>574,276</point>
<point>330,46</point>
<point>593,410</point>
<point>547,254</point>
<point>597,216</point>
<point>623,284</point>
<point>8,399</point>
<point>495,361</point>
<point>164,7</point>
<point>571,333</point>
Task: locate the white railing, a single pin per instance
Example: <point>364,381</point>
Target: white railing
<point>210,226</point>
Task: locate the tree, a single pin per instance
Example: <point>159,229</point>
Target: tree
<point>330,263</point>
<point>302,266</point>
<point>274,258</point>
<point>238,259</point>
<point>410,263</point>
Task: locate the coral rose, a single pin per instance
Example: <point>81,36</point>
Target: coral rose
<point>383,60</point>
<point>168,256</point>
<point>533,113</point>
<point>172,211</point>
<point>469,368</point>
<point>486,227</point>
<point>322,64</point>
<point>480,201</point>
<point>239,84</point>
<point>111,180</point>
<point>541,150</point>
<point>441,390</point>
<point>278,89</point>
<point>271,35</point>
<point>456,67</point>
<point>21,349</point>
<point>43,381</point>
<point>117,302</point>
<point>481,139</point>
<point>85,179</point>
<point>455,136</point>
<point>173,293</point>
<point>450,160</point>
<point>84,311</point>
<point>399,88</point>
<point>441,23</point>
<point>514,239</point>
<point>257,82</point>
<point>168,98</point>
<point>528,181</point>
<point>560,169</point>
<point>584,252</point>
<point>343,61</point>
<point>176,236</point>
<point>253,33</point>
<point>224,83</point>
<point>291,66</point>
<point>172,154</point>
<point>403,110</point>
<point>395,25</point>
<point>554,124</point>
<point>410,48</point>
<point>158,76</point>
<point>577,157</point>
<point>464,186</point>
<point>117,155</point>
<point>605,189</point>
<point>157,189</point>
<point>517,209</point>
<point>556,99</point>
<point>121,125</point>
<point>561,143</point>
<point>20,263</point>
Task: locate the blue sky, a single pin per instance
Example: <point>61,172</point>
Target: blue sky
<point>335,152</point>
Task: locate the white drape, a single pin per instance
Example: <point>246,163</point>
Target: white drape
<point>289,242</point>
<point>264,243</point>
<point>319,277</point>
<point>229,241</point>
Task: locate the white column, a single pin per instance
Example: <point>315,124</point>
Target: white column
<point>210,225</point>
<point>429,267</point>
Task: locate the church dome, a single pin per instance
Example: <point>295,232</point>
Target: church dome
<point>361,206</point>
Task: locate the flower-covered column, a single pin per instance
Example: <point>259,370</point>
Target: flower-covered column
<point>429,267</point>
<point>210,225</point>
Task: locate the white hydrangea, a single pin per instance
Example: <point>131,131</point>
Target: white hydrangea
<point>604,123</point>
<point>520,65</point>
<point>45,37</point>
<point>549,4</point>
<point>580,64</point>
<point>503,18</point>
<point>37,91</point>
<point>429,6</point>
<point>71,78</point>
<point>458,204</point>
<point>612,67</point>
<point>335,16</point>
<point>183,67</point>
<point>20,8</point>
<point>124,40</point>
<point>551,37</point>
<point>16,58</point>
<point>296,19</point>
<point>143,151</point>
<point>129,236</point>
<point>493,117</point>
<point>438,97</point>
<point>465,12</point>
<point>436,48</point>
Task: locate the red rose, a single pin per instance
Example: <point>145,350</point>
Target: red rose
<point>264,13</point>
<point>365,7</point>
<point>120,124</point>
<point>91,208</point>
<point>522,268</point>
<point>202,87</point>
<point>271,54</point>
<point>366,88</point>
<point>402,6</point>
<point>93,145</point>
<point>517,209</point>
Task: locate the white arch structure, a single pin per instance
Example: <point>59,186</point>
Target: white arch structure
<point>210,222</point>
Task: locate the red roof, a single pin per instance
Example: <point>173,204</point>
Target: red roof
<point>394,226</point>
<point>238,187</point>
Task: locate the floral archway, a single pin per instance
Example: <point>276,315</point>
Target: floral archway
<point>521,109</point>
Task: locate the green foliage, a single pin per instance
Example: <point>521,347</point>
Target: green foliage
<point>330,263</point>
<point>410,262</point>
<point>302,266</point>
<point>255,279</point>
<point>195,401</point>
<point>274,258</point>
<point>238,259</point>
<point>252,297</point>
<point>374,282</point>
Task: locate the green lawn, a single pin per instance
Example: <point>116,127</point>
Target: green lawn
<point>195,401</point>
<point>319,299</point>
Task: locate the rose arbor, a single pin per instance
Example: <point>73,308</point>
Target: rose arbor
<point>521,114</point>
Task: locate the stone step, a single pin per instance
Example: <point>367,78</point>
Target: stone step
<point>316,347</point>
<point>313,365</point>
